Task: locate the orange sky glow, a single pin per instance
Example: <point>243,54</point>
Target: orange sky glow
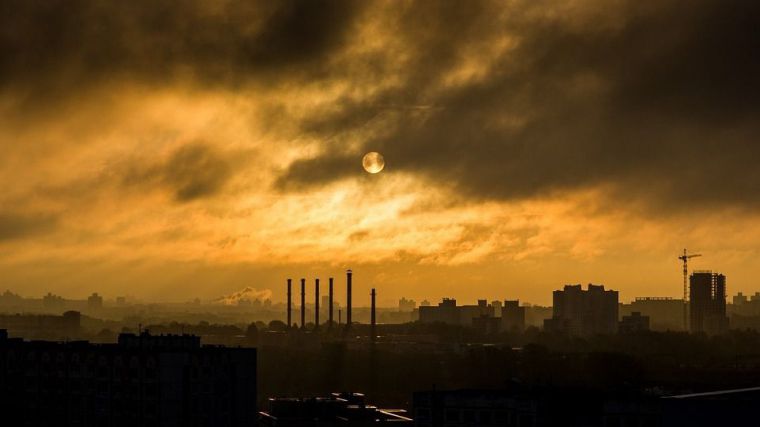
<point>203,181</point>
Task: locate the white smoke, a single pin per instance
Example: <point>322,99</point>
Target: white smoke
<point>248,293</point>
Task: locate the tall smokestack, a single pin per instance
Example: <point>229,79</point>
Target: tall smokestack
<point>316,304</point>
<point>372,315</point>
<point>303,303</point>
<point>348,299</point>
<point>290,299</point>
<point>330,304</point>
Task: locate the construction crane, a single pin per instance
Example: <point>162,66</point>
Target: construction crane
<point>685,258</point>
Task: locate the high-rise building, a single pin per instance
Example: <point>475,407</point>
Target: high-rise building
<point>589,312</point>
<point>497,305</point>
<point>95,302</point>
<point>52,302</point>
<point>707,302</point>
<point>512,316</point>
<point>406,304</point>
<point>740,299</point>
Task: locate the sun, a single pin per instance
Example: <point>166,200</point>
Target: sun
<point>373,162</point>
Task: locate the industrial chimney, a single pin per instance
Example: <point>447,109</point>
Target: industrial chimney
<point>303,303</point>
<point>330,304</point>
<point>348,299</point>
<point>372,316</point>
<point>290,309</point>
<point>316,304</point>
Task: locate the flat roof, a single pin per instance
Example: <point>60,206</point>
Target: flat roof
<point>714,393</point>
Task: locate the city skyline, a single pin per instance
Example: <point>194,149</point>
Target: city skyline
<point>432,213</point>
<point>249,295</point>
<point>525,146</point>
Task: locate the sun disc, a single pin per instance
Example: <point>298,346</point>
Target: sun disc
<point>373,162</point>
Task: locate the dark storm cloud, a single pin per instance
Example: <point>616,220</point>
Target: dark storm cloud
<point>63,46</point>
<point>193,171</point>
<point>24,225</point>
<point>317,170</point>
<point>658,99</point>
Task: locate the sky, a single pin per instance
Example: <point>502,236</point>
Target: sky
<point>169,150</point>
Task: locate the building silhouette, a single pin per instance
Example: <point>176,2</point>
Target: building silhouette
<point>447,311</point>
<point>497,307</point>
<point>42,326</point>
<point>406,304</point>
<point>635,322</point>
<point>665,313</point>
<point>740,299</point>
<point>144,380</point>
<point>95,302</point>
<point>579,312</point>
<point>512,316</point>
<point>707,302</point>
<point>52,302</point>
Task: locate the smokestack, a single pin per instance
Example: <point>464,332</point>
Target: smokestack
<point>372,316</point>
<point>330,304</point>
<point>303,303</point>
<point>348,298</point>
<point>290,308</point>
<point>316,304</point>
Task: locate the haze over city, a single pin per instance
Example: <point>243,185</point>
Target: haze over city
<point>430,213</point>
<point>177,152</point>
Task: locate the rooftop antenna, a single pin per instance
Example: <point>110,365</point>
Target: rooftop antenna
<point>685,258</point>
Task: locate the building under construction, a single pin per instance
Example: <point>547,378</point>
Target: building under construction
<point>707,296</point>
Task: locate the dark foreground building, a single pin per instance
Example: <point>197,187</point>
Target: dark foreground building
<point>144,380</point>
<point>339,409</point>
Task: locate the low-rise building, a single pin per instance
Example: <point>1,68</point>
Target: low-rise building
<point>447,311</point>
<point>634,323</point>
